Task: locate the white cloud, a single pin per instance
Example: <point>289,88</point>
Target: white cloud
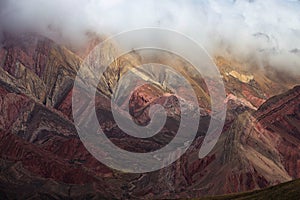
<point>267,31</point>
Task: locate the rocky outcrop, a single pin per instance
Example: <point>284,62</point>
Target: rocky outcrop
<point>41,68</point>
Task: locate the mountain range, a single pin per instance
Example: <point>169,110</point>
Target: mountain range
<point>42,156</point>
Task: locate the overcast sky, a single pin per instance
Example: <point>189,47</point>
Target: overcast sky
<point>267,31</point>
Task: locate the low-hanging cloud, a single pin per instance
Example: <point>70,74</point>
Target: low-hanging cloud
<point>264,32</point>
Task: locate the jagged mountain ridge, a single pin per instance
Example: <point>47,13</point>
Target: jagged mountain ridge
<point>36,82</point>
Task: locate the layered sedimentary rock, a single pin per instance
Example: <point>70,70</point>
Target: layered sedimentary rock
<point>40,146</point>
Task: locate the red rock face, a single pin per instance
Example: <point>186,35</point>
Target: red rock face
<point>32,53</point>
<point>140,101</point>
<point>40,146</point>
<point>28,136</point>
<point>263,149</point>
<point>281,115</point>
<point>279,109</point>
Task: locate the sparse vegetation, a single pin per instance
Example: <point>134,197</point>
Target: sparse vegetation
<point>284,191</point>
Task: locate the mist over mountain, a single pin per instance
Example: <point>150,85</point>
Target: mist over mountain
<point>257,33</point>
<point>255,45</point>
